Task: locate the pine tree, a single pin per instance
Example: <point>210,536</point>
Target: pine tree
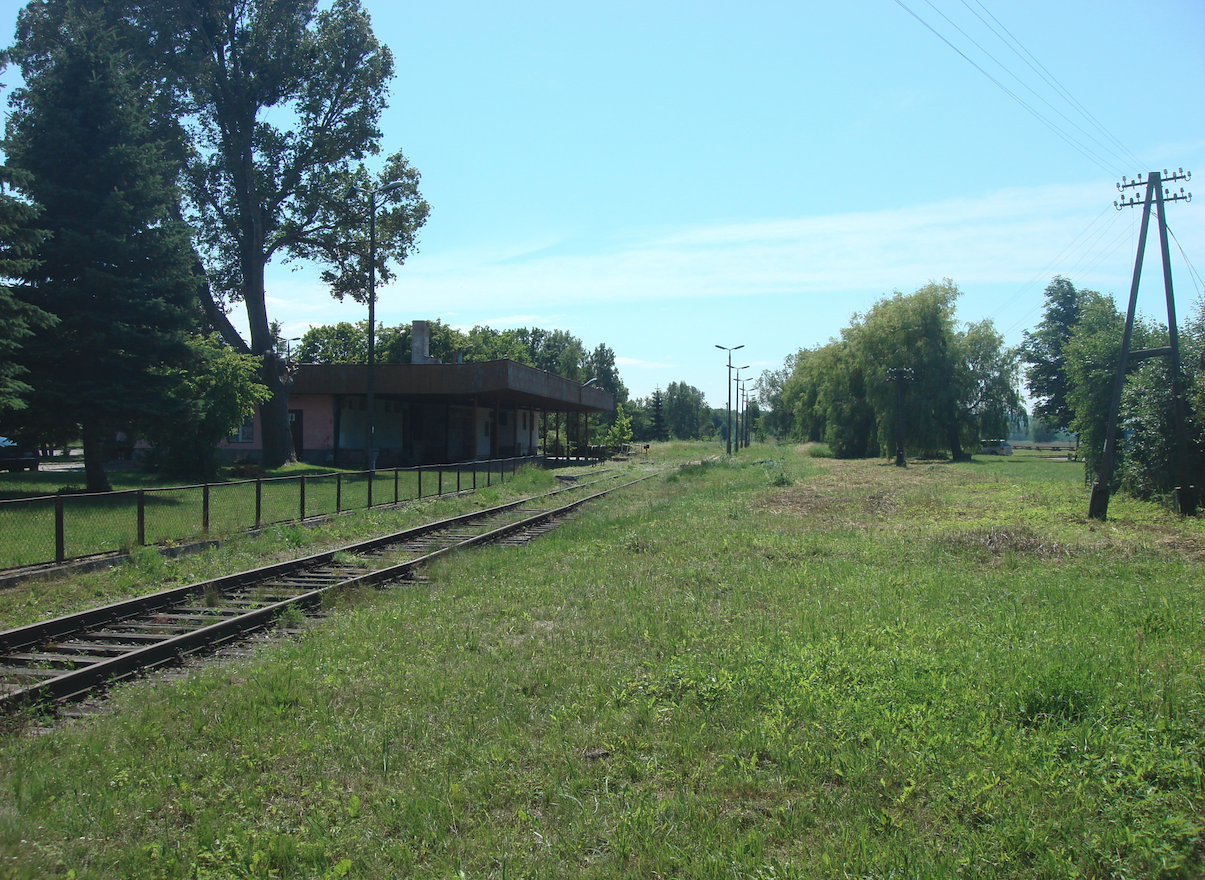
<point>18,320</point>
<point>658,405</point>
<point>115,267</point>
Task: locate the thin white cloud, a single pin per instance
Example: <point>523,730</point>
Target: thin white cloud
<point>532,320</point>
<point>639,364</point>
<point>1009,237</point>
<point>1004,237</point>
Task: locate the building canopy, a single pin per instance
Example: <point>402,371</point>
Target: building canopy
<point>503,383</point>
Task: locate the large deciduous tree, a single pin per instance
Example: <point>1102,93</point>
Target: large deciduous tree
<point>281,102</point>
<point>1043,351</point>
<point>684,408</point>
<point>115,266</point>
<point>777,418</point>
<point>284,104</point>
<point>989,400</point>
<point>1091,354</point>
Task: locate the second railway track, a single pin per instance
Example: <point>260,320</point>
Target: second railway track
<point>60,660</point>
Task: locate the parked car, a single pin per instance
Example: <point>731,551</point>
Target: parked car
<point>15,458</point>
<point>996,447</point>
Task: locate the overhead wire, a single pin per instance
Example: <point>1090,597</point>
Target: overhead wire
<point>1076,270</point>
<point>1085,264</point>
<point>1192,271</point>
<point>1071,141</point>
<point>1050,265</point>
<point>1002,66</point>
<point>1078,274</point>
<point>1050,78</point>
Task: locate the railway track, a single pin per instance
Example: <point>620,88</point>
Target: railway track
<point>57,661</point>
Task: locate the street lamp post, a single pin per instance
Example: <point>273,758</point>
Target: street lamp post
<point>730,351</point>
<point>748,399</point>
<point>738,403</point>
<point>742,438</point>
<point>585,384</point>
<point>383,190</point>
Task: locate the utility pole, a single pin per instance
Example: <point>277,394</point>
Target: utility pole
<point>1156,194</point>
<point>730,351</point>
<point>370,453</point>
<point>901,376</point>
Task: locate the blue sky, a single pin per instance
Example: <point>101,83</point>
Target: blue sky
<point>663,177</point>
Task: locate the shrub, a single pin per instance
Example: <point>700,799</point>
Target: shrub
<point>246,469</point>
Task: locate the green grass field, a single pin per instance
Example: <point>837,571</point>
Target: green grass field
<point>795,668</point>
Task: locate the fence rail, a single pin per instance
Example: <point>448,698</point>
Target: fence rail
<point>58,528</point>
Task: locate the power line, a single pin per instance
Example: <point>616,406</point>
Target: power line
<point>1107,148</point>
<point>1041,273</point>
<point>1117,243</point>
<point>1191,269</point>
<point>1068,139</point>
<point>1051,80</point>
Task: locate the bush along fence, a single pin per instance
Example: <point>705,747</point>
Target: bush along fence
<point>58,528</point>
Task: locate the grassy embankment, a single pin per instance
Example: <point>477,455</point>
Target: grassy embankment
<point>940,671</point>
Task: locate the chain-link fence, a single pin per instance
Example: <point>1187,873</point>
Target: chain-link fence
<point>56,528</point>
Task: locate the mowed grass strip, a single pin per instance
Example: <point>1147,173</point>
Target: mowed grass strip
<point>802,668</point>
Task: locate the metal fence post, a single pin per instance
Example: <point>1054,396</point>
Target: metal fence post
<point>474,475</point>
<point>440,483</point>
<point>457,479</point>
<point>338,493</point>
<point>259,502</point>
<point>60,543</point>
<point>205,509</point>
<point>301,500</point>
<point>420,482</point>
<point>396,496</point>
<point>370,473</point>
<point>141,518</point>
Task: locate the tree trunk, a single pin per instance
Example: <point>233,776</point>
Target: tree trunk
<point>956,453</point>
<point>94,458</point>
<point>274,414</point>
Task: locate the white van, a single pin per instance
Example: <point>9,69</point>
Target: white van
<point>996,447</point>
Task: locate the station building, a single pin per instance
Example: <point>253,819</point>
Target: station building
<point>427,412</point>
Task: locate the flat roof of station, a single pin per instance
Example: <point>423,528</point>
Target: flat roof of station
<point>487,383</point>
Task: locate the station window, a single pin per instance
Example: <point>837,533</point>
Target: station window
<point>245,433</point>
